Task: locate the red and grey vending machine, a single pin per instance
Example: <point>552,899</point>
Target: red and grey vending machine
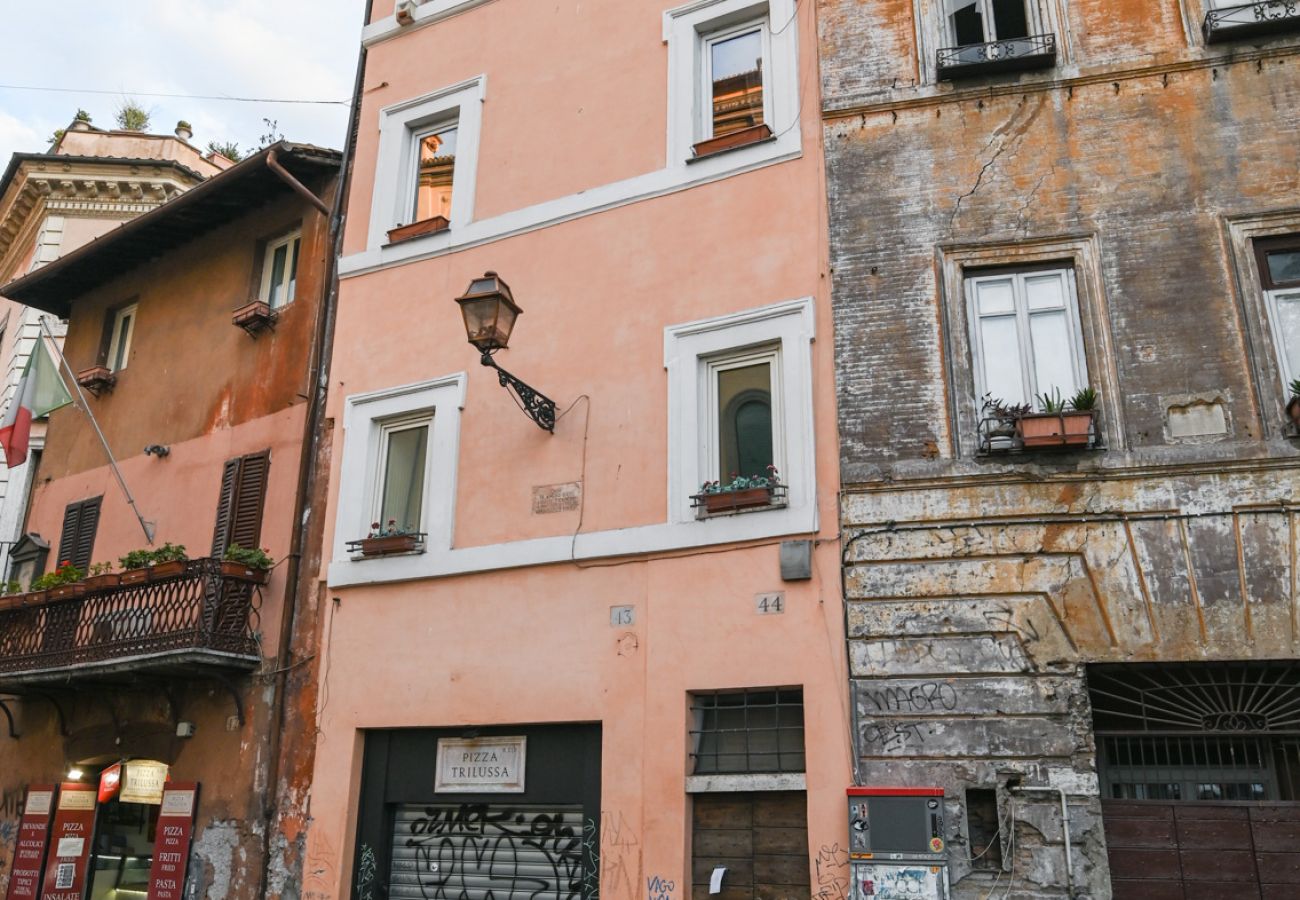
<point>897,844</point>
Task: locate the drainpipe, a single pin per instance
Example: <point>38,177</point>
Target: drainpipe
<point>298,589</point>
<point>1065,830</point>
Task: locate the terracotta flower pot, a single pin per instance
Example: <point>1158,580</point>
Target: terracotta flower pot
<point>1067,429</point>
<point>66,591</point>
<point>133,576</point>
<point>241,572</point>
<point>34,597</point>
<point>726,501</point>
<point>102,582</point>
<point>391,543</point>
<point>164,570</point>
<point>751,135</point>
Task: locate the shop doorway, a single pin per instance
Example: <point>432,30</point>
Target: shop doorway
<point>123,845</point>
<point>1199,766</point>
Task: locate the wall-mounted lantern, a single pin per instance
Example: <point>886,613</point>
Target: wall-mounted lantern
<point>490,312</point>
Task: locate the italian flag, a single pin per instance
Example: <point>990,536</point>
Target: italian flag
<point>40,391</point>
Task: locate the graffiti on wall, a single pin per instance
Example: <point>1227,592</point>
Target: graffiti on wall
<point>475,849</point>
<point>620,868</point>
<point>657,888</point>
<point>831,868</point>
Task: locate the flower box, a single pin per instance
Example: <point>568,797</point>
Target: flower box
<point>241,572</point>
<point>133,576</point>
<point>13,601</point>
<point>66,591</point>
<point>1065,429</point>
<point>416,229</point>
<point>164,570</point>
<point>254,316</point>
<point>102,582</point>
<point>751,135</point>
<point>712,503</point>
<point>33,598</point>
<point>389,543</point>
<point>97,379</point>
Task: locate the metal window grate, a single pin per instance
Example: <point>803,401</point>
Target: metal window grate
<point>749,731</point>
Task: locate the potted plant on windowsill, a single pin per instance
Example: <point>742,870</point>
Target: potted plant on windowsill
<point>168,561</point>
<point>999,423</point>
<point>63,583</point>
<point>1293,407</point>
<point>135,567</point>
<point>12,595</point>
<point>742,492</point>
<point>389,539</point>
<point>416,229</point>
<point>1062,423</point>
<point>101,577</point>
<point>246,565</point>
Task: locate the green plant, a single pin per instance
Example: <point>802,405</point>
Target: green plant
<point>169,553</point>
<point>57,136</point>
<point>228,149</point>
<point>131,116</point>
<point>12,587</point>
<point>997,408</point>
<point>186,125</point>
<point>136,559</point>
<point>743,482</point>
<point>1052,403</point>
<point>100,568</point>
<point>254,558</point>
<point>1295,387</point>
<point>66,573</point>
<point>1084,400</point>
<point>82,116</point>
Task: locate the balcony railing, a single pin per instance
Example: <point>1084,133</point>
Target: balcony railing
<point>1251,20</point>
<point>1013,54</point>
<point>198,619</point>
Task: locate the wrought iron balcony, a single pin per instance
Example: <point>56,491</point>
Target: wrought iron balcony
<point>1013,54</point>
<point>1251,20</point>
<point>196,622</point>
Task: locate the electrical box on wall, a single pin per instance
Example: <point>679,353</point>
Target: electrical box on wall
<point>897,843</point>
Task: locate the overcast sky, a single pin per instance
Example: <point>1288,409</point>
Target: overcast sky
<point>280,49</point>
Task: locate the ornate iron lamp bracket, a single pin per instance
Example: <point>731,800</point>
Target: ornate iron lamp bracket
<point>536,405</point>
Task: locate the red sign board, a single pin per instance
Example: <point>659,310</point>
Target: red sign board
<point>171,846</point>
<point>29,851</point>
<point>110,781</point>
<point>71,840</point>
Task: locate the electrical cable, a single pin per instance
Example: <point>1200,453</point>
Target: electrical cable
<point>62,90</point>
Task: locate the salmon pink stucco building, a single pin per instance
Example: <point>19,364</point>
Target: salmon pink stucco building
<point>552,661</point>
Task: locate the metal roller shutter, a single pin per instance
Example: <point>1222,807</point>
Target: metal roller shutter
<point>482,851</point>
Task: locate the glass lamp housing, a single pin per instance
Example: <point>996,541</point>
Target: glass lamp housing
<point>489,310</point>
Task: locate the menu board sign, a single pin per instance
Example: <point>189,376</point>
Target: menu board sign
<point>171,848</point>
<point>29,850</point>
<point>71,840</point>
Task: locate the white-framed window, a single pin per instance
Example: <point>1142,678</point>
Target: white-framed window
<point>983,21</point>
<point>428,160</point>
<point>732,64</point>
<point>1025,335</point>
<point>749,370</point>
<point>401,472</point>
<point>1279,270</point>
<point>121,330</point>
<point>280,271</point>
<point>400,448</point>
<point>744,429</point>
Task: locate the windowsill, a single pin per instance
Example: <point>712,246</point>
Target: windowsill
<point>775,781</point>
<point>1264,19</point>
<point>702,514</point>
<point>402,233</point>
<point>1011,55</point>
<point>746,137</point>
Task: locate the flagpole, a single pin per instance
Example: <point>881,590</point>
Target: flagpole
<point>84,406</point>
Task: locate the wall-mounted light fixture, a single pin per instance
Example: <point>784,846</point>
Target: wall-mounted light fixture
<point>490,312</point>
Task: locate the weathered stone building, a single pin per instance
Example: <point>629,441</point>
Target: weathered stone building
<point>1051,196</point>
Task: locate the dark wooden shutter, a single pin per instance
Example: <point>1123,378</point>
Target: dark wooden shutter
<point>239,509</point>
<point>77,540</point>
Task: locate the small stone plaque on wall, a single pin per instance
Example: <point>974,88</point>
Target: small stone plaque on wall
<point>481,765</point>
<point>554,498</point>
